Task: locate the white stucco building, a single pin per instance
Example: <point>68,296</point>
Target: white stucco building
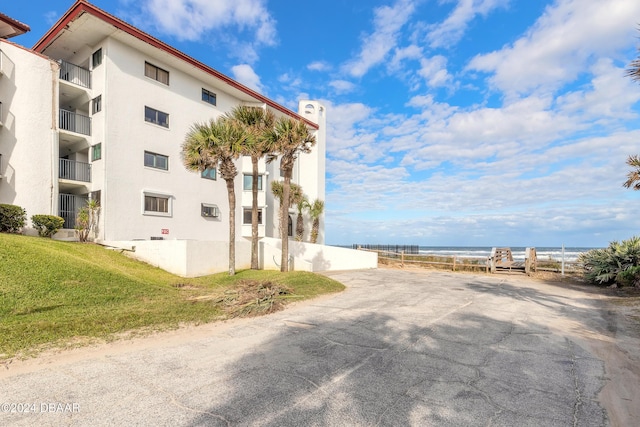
<point>99,109</point>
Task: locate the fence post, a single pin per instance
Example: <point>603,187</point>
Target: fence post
<point>402,258</point>
<point>454,263</point>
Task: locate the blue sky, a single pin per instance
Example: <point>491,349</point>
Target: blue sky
<point>450,122</point>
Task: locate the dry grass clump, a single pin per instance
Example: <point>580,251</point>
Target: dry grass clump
<point>253,298</point>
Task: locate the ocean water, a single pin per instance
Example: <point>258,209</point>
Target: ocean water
<point>544,253</point>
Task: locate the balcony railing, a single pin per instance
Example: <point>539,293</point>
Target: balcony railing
<point>69,205</point>
<point>75,122</point>
<point>75,171</point>
<point>75,74</point>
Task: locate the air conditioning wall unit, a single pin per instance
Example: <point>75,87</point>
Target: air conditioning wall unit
<point>209,211</point>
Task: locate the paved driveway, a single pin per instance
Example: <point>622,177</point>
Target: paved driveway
<point>396,348</point>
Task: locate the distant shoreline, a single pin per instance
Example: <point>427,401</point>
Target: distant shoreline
<point>554,253</point>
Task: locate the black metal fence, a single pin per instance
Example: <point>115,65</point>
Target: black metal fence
<point>408,249</point>
<point>69,205</point>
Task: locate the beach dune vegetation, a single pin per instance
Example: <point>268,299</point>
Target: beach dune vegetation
<point>618,264</point>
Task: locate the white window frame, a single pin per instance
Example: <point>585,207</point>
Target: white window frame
<point>155,74</point>
<point>155,155</point>
<point>248,178</point>
<point>97,54</point>
<point>209,97</point>
<point>156,119</point>
<point>246,214</point>
<point>161,195</point>
<point>205,176</point>
<point>96,105</point>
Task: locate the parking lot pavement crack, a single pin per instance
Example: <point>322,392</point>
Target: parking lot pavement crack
<point>576,386</point>
<point>173,398</point>
<point>396,400</point>
<point>354,345</point>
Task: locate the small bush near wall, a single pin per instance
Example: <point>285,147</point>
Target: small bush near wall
<point>47,225</point>
<point>12,218</point>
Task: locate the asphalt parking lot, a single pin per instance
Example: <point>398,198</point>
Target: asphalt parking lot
<point>396,348</point>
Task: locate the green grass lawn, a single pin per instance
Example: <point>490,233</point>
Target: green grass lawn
<point>53,294</point>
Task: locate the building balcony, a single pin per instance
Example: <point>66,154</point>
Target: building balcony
<point>68,207</point>
<point>1,116</point>
<point>74,171</point>
<point>75,74</point>
<point>74,122</point>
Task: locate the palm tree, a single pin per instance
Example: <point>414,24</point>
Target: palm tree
<point>302,203</point>
<point>634,69</point>
<point>256,121</point>
<point>217,143</point>
<point>633,180</point>
<point>295,194</point>
<point>315,210</point>
<point>287,139</point>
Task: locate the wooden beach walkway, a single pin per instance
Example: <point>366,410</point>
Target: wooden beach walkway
<point>501,259</point>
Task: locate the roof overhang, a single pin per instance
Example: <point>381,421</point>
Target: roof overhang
<point>9,27</point>
<point>85,24</point>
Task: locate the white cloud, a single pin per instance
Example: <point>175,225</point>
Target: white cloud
<point>245,74</point>
<point>51,17</point>
<point>400,54</point>
<point>560,45</point>
<point>342,86</point>
<point>193,19</point>
<point>376,46</point>
<point>291,81</point>
<point>434,71</point>
<point>609,97</point>
<point>451,30</point>
<point>319,66</point>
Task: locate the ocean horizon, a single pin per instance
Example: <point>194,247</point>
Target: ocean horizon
<point>544,252</point>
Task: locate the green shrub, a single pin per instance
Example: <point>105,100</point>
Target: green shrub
<point>619,263</point>
<point>87,220</point>
<point>47,225</point>
<point>630,277</point>
<point>12,218</point>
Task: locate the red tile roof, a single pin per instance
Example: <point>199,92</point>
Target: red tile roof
<point>83,6</point>
<point>18,26</point>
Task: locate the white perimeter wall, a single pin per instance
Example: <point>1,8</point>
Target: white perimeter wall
<point>192,258</point>
<point>313,257</point>
<point>187,258</point>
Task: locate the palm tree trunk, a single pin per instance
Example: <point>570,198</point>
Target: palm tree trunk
<point>284,213</point>
<point>232,226</point>
<point>254,214</point>
<point>314,230</point>
<point>299,228</point>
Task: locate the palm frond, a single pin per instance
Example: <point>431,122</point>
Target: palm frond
<point>633,177</point>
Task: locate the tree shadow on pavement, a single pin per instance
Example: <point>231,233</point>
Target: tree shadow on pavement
<point>380,369</point>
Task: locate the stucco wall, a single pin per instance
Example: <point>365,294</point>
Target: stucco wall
<point>128,135</point>
<point>191,258</point>
<point>28,139</point>
<point>313,257</point>
<point>187,258</point>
